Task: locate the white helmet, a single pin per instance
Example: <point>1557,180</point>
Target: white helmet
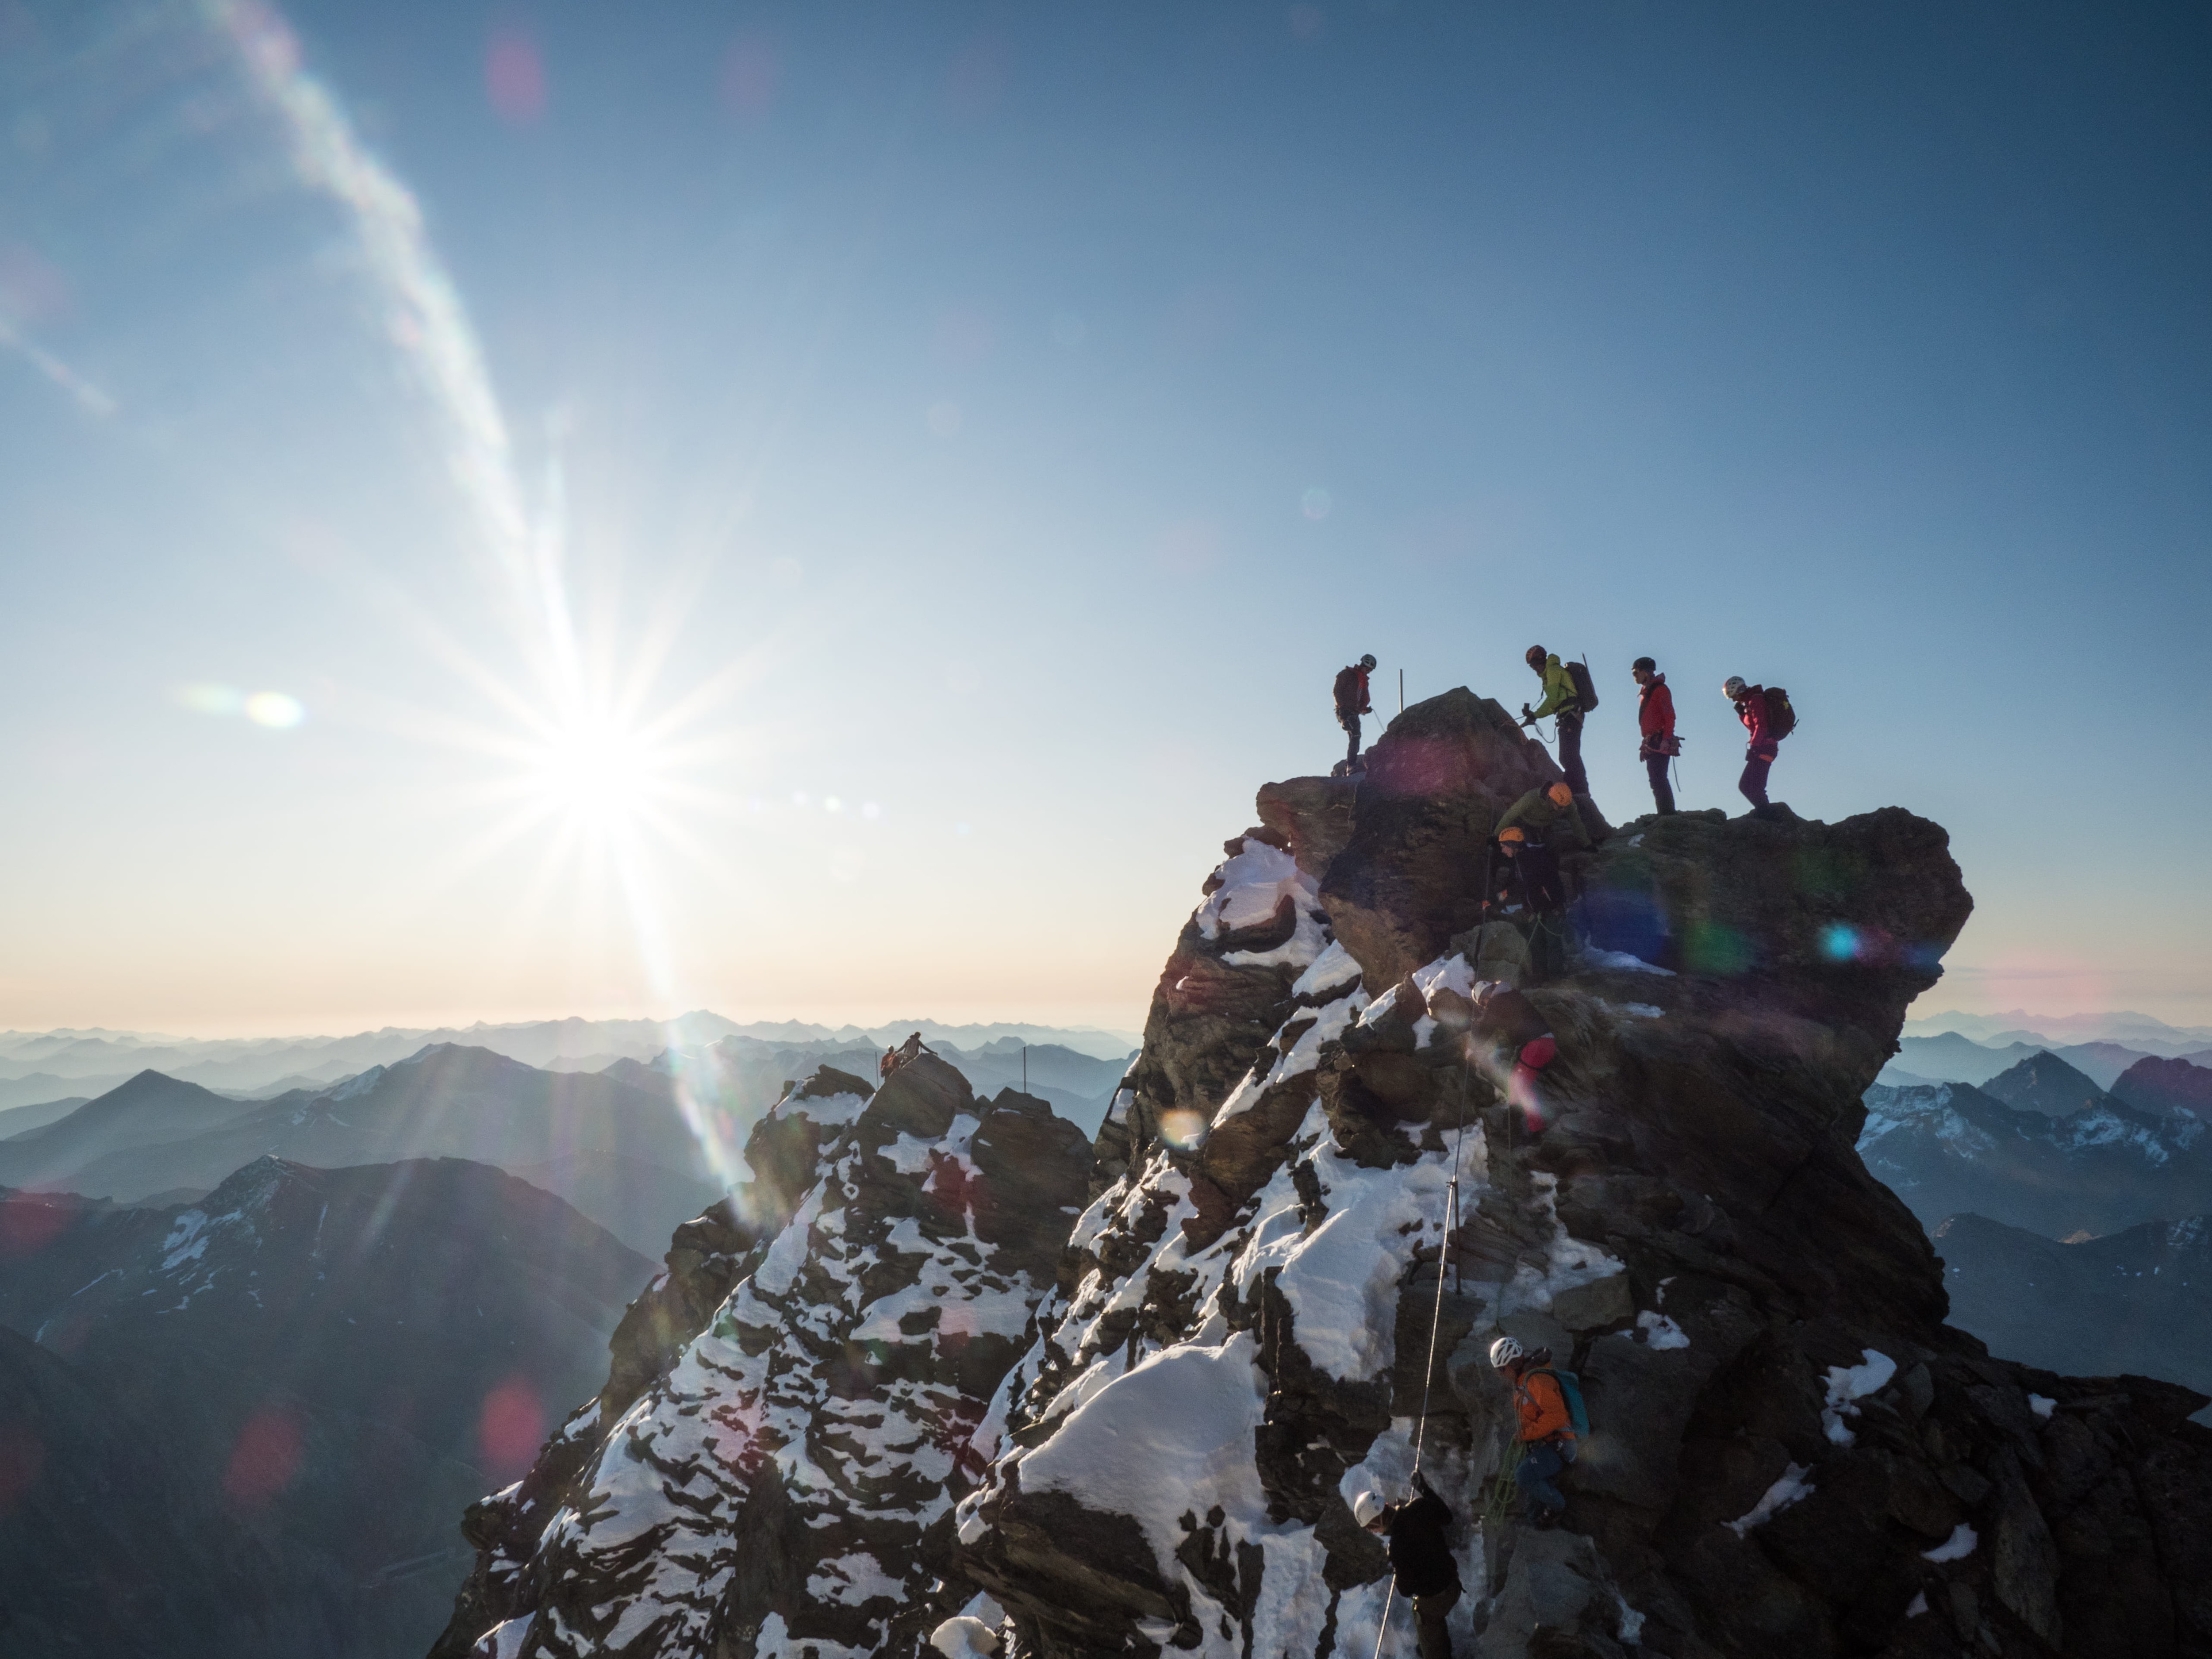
<point>1366,1508</point>
<point>1733,686</point>
<point>1503,1353</point>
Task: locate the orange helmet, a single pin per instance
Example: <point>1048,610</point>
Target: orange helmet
<point>1562,793</point>
<point>1512,832</point>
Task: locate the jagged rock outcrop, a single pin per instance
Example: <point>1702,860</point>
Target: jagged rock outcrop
<point>1792,1452</point>
<point>772,1465</point>
<point>1312,1209</point>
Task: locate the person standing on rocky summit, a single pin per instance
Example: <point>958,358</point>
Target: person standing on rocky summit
<point>1352,701</point>
<point>1754,709</point>
<point>1655,718</point>
<point>1561,698</point>
<point>1420,1558</point>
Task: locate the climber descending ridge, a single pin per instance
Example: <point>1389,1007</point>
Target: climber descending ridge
<point>1352,701</point>
<point>1420,1558</point>
<point>1546,1432</point>
<point>1532,833</point>
<point>1509,1023</point>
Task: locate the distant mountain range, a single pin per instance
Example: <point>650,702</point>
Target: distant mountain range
<point>2138,1032</point>
<point>37,1066</point>
<point>251,1421</point>
<point>1950,1148</point>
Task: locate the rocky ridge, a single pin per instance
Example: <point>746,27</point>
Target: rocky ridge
<point>773,1463</point>
<point>1792,1451</point>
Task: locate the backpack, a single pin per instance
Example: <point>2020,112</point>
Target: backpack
<point>1781,717</point>
<point>1585,688</point>
<point>1347,691</point>
<point>1570,1390</point>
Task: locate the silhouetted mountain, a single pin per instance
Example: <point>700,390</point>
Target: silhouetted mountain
<point>2045,1084</point>
<point>1949,1148</point>
<point>336,1360</point>
<point>625,1157</point>
<point>21,1120</point>
<point>105,1549</point>
<point>2167,1086</point>
<point>2138,1301</point>
<point>150,1109</point>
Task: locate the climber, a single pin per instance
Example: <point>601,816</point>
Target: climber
<point>908,1052</point>
<point>1654,717</point>
<point>1420,1556</point>
<point>1546,1432</point>
<point>1561,697</point>
<point>1532,834</point>
<point>888,1064</point>
<point>1753,710</point>
<point>1510,1024</point>
<point>1352,701</point>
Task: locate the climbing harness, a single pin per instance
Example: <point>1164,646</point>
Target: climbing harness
<point>1437,1312</point>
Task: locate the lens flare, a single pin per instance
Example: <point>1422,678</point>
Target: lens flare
<point>274,709</point>
<point>1182,1130</point>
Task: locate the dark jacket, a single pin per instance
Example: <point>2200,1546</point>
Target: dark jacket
<point>1540,818</point>
<point>1352,692</point>
<point>1420,1553</point>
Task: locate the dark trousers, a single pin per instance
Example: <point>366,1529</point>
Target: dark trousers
<point>1541,1466</point>
<point>1351,724</point>
<point>1753,783</point>
<point>1662,792</point>
<point>1430,1612</point>
<point>1571,752</point>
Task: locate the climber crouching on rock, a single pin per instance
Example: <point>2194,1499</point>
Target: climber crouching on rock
<point>1421,1557</point>
<point>1509,1023</point>
<point>1533,834</point>
<point>1546,1432</point>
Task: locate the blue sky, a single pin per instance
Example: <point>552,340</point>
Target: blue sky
<point>1009,418</point>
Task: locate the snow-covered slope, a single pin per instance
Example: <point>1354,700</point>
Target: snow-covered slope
<point>786,1480</point>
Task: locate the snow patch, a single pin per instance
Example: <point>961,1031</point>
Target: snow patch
<point>2041,1405</point>
<point>1621,961</point>
<point>962,1637</point>
<point>1849,1382</point>
<point>1956,1548</point>
<point>1786,1491</point>
<point>1661,1331</point>
<point>1332,967</point>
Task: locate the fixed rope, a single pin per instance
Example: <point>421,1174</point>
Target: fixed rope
<point>1437,1312</point>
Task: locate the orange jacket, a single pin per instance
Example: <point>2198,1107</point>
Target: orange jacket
<point>1543,1405</point>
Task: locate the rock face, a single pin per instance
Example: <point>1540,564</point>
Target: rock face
<point>1312,1209</point>
<point>1792,1451</point>
<point>772,1466</point>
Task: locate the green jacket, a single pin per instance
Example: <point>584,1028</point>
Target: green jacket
<point>1559,696</point>
<point>1555,826</point>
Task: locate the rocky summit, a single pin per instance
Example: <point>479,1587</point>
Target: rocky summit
<point>904,1393</point>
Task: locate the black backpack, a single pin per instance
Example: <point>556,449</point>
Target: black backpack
<point>1347,691</point>
<point>1585,688</point>
<point>1781,717</point>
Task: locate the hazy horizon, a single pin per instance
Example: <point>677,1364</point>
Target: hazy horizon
<point>516,513</point>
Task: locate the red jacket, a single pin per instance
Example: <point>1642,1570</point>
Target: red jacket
<point>1655,712</point>
<point>1751,709</point>
<point>1352,692</point>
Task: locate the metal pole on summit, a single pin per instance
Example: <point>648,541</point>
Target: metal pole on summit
<point>1401,691</point>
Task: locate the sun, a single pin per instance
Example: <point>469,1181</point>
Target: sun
<point>596,771</point>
